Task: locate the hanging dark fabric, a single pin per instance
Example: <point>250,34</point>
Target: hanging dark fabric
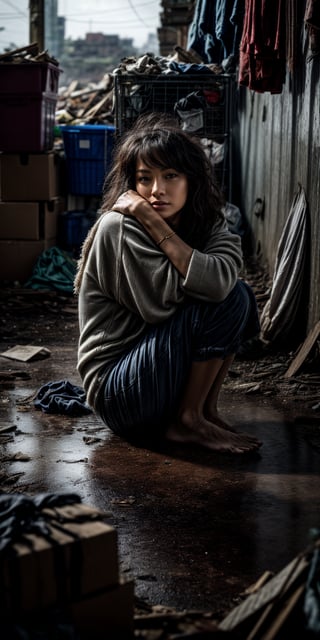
<point>262,61</point>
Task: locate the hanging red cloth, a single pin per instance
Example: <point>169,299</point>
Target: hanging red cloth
<point>262,62</point>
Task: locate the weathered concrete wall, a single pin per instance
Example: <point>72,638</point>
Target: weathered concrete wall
<point>276,148</point>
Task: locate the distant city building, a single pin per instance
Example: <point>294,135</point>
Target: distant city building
<point>151,45</point>
<point>89,58</point>
<point>54,29</point>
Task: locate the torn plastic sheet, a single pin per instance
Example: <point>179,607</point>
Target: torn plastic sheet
<point>280,312</point>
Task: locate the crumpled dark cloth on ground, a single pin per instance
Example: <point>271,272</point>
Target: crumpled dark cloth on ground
<point>62,397</point>
<point>54,269</point>
<point>20,514</point>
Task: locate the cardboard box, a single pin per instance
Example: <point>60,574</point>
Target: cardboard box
<point>29,177</point>
<point>78,558</point>
<point>18,257</point>
<point>107,614</point>
<point>29,220</point>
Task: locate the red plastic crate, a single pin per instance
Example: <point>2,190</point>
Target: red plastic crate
<point>29,77</point>
<point>27,122</point>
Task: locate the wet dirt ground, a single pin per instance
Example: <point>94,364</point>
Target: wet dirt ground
<point>195,528</point>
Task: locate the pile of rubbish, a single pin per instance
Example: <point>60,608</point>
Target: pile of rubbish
<point>94,102</point>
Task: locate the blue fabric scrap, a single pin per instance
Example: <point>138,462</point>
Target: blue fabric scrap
<point>62,397</point>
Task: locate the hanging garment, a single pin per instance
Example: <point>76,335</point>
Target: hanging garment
<point>237,19</point>
<point>224,29</point>
<point>201,36</point>
<point>262,61</point>
<point>281,310</point>
<point>216,29</point>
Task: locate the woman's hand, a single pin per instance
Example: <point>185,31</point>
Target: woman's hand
<point>130,202</point>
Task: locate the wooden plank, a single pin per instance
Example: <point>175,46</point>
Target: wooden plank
<point>269,594</point>
<point>286,609</point>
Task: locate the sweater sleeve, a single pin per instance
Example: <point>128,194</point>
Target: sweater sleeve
<point>134,271</point>
<point>213,273</point>
<point>140,277</point>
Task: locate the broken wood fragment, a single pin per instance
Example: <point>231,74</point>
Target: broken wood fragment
<point>303,351</point>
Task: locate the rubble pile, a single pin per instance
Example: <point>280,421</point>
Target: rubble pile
<point>91,104</point>
<point>27,54</point>
<point>278,606</point>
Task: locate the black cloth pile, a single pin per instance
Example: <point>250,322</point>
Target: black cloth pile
<point>62,397</point>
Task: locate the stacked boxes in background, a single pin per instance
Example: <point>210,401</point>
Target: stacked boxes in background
<point>30,203</point>
<point>47,197</point>
<point>31,173</point>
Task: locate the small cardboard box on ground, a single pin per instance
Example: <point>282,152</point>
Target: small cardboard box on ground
<point>30,220</point>
<point>106,614</point>
<point>78,557</point>
<point>18,258</point>
<point>29,177</point>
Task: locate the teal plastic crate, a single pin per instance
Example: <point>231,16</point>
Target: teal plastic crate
<point>88,151</point>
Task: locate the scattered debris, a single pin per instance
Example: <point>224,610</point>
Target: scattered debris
<point>12,375</point>
<point>7,429</point>
<point>125,502</point>
<point>279,605</point>
<point>90,439</point>
<point>18,456</point>
<point>304,351</point>
<point>27,54</point>
<point>26,353</point>
<point>74,461</point>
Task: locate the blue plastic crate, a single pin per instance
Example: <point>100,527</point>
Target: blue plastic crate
<point>88,151</point>
<point>73,229</point>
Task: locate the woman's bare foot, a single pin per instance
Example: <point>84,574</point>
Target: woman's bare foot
<point>198,430</point>
<point>215,418</point>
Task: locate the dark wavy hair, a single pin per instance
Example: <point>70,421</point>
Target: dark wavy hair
<point>158,141</point>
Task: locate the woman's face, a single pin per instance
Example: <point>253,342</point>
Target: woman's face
<point>165,189</point>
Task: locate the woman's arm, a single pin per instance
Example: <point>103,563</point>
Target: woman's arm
<point>209,274</point>
<point>178,252</point>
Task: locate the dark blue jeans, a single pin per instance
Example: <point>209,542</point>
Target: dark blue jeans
<point>142,390</point>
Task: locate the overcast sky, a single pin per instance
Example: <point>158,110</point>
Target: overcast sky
<point>127,18</point>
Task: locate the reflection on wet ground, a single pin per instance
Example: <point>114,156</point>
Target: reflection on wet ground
<point>195,528</point>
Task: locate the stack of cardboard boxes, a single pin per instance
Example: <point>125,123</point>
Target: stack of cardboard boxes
<point>65,567</point>
<point>31,172</point>
<point>31,202</point>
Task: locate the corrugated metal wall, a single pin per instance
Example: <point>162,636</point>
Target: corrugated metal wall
<point>276,148</point>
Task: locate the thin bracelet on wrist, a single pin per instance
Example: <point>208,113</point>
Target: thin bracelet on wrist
<point>166,238</point>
